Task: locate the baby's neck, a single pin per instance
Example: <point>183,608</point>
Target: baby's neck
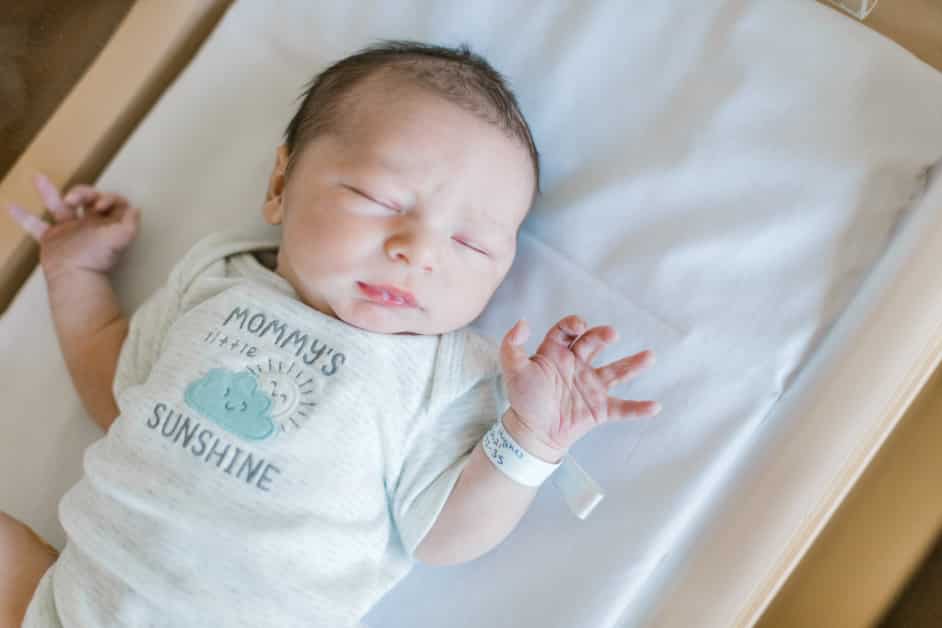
<point>268,259</point>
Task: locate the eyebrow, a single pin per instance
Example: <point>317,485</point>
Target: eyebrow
<point>486,220</point>
<point>387,164</point>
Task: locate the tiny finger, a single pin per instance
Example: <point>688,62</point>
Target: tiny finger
<point>33,225</point>
<point>523,332</point>
<point>80,195</point>
<point>625,408</point>
<point>563,334</point>
<point>51,199</point>
<point>131,217</point>
<point>124,218</point>
<point>589,344</point>
<point>107,201</point>
<point>624,369</point>
<point>513,355</point>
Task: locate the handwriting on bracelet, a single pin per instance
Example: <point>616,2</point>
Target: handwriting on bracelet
<point>495,440</point>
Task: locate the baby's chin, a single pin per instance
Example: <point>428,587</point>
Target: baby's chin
<point>381,329</point>
<point>380,319</point>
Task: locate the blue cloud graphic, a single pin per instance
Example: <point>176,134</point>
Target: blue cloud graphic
<point>233,401</point>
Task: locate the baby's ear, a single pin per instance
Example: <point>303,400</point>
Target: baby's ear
<point>272,209</point>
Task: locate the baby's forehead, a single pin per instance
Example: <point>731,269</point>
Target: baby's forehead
<point>393,83</point>
<point>382,127</point>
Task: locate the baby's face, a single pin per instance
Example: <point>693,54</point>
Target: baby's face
<point>416,194</point>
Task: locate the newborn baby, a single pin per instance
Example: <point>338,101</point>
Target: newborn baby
<point>291,423</point>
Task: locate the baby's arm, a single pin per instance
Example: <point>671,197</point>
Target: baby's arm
<point>76,254</point>
<point>485,505</point>
<point>91,329</point>
<point>556,396</point>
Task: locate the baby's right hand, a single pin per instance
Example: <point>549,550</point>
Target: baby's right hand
<point>89,229</point>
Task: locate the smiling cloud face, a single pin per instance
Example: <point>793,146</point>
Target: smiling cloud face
<point>233,401</point>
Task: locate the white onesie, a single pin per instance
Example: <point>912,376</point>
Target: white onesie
<point>271,465</point>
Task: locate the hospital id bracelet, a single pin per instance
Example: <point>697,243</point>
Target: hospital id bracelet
<point>516,462</point>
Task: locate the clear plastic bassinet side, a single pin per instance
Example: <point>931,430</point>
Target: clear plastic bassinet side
<point>858,8</point>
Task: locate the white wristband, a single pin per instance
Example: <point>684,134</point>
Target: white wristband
<point>517,463</point>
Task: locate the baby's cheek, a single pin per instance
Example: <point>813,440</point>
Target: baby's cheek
<point>469,294</point>
<point>323,247</point>
<point>323,261</point>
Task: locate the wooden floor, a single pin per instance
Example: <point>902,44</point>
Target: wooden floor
<point>45,47</point>
<point>920,605</point>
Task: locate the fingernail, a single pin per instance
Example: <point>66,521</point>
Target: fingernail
<point>656,410</point>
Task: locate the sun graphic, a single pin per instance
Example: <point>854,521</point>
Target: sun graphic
<point>290,389</point>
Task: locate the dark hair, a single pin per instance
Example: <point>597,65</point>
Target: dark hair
<point>456,74</point>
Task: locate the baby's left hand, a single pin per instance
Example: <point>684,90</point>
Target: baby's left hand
<point>557,395</point>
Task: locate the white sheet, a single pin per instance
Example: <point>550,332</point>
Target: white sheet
<point>814,444</point>
<point>719,177</point>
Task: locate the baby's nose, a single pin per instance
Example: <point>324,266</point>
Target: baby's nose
<point>416,260</point>
<point>414,250</point>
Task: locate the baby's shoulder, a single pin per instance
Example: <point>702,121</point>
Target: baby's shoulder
<point>478,350</point>
<point>472,358</point>
<point>208,256</point>
<point>475,383</point>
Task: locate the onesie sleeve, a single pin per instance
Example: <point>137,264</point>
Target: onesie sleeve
<point>441,446</point>
<point>146,332</point>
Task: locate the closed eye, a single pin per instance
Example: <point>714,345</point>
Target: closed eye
<point>371,199</point>
<point>470,246</point>
<point>395,209</point>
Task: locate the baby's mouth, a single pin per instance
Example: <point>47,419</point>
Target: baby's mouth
<point>387,295</point>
